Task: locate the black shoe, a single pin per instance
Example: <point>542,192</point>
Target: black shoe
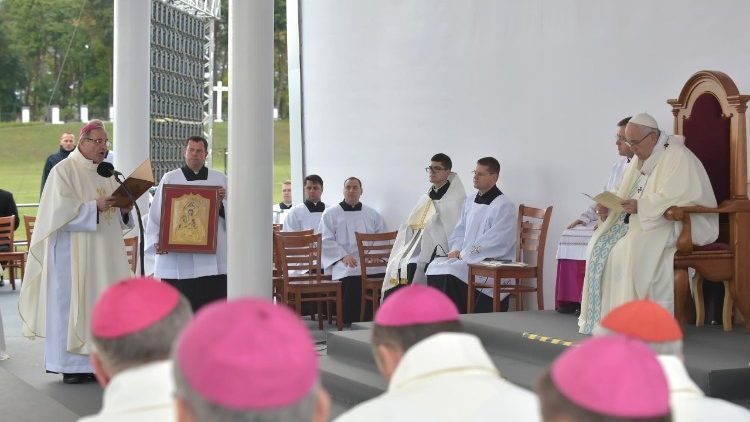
<point>78,378</point>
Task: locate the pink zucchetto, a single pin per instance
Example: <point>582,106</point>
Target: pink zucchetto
<point>635,383</point>
<point>248,354</point>
<point>88,127</point>
<point>643,320</point>
<point>132,305</point>
<point>416,304</point>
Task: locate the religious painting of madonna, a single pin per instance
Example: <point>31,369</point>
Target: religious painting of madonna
<point>190,217</point>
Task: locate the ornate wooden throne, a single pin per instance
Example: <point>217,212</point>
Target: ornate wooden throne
<point>710,113</point>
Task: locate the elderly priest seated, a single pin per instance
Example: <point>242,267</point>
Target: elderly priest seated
<point>631,254</point>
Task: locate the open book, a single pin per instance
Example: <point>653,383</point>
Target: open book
<point>137,183</point>
<point>607,199</point>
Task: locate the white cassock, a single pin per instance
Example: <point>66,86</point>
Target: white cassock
<point>636,260</point>
<point>338,228</point>
<point>689,403</point>
<point>144,393</point>
<point>425,232</point>
<point>177,265</point>
<point>76,252</point>
<point>447,377</point>
<point>589,217</point>
<point>279,213</point>
<point>304,216</point>
<point>483,231</point>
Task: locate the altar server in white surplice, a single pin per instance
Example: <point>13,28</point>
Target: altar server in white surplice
<point>76,252</point>
<point>306,216</point>
<point>426,230</point>
<point>340,256</point>
<point>280,210</point>
<point>486,229</point>
<point>200,277</point>
<point>631,255</point>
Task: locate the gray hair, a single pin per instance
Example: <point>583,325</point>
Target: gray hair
<point>205,411</point>
<point>148,345</point>
<point>670,348</point>
<point>645,130</point>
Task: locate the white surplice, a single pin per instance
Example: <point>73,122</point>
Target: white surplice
<point>76,252</point>
<point>641,263</point>
<point>299,218</point>
<point>279,215</point>
<point>689,403</point>
<point>483,231</point>
<point>338,228</point>
<point>426,230</point>
<point>177,265</point>
<point>447,377</point>
<point>613,184</point>
<point>144,393</point>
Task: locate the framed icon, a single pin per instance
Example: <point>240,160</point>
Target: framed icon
<point>189,218</point>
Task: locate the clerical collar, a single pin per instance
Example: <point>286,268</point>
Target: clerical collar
<point>438,193</point>
<point>488,196</point>
<point>190,175</point>
<point>284,206</point>
<point>319,207</point>
<point>347,207</point>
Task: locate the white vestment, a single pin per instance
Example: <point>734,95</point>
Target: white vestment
<point>483,231</point>
<point>640,263</point>
<point>447,377</point>
<point>76,252</point>
<point>279,214</point>
<point>299,218</point>
<point>688,402</point>
<point>338,228</point>
<point>613,184</point>
<point>144,393</point>
<point>178,265</point>
<point>428,226</point>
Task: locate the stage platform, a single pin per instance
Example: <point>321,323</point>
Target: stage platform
<point>717,361</point>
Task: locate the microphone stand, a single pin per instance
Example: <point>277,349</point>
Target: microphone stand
<point>141,233</point>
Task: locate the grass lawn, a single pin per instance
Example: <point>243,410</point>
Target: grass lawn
<point>25,147</point>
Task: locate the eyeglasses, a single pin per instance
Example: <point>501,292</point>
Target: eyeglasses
<point>636,143</point>
<point>98,141</point>
<point>479,174</point>
<point>431,169</point>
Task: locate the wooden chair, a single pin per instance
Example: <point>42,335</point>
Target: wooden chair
<point>131,248</point>
<point>710,113</point>
<point>302,254</point>
<point>531,238</point>
<point>278,280</point>
<point>28,222</point>
<point>12,260</point>
<point>374,251</point>
<point>277,228</point>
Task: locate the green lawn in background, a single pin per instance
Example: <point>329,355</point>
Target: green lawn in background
<point>25,147</point>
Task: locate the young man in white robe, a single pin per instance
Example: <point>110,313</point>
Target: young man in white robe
<point>340,256</point>
<point>201,277</point>
<point>134,324</point>
<point>571,250</point>
<point>76,252</point>
<point>434,370</point>
<point>426,230</point>
<point>306,216</point>
<point>631,255</point>
<point>280,209</point>
<point>648,322</point>
<point>485,230</point>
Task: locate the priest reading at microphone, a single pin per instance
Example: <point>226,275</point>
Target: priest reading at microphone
<point>75,253</point>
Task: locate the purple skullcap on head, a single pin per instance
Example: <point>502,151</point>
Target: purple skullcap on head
<point>416,304</point>
<point>248,354</point>
<point>635,383</point>
<point>132,305</point>
<point>88,127</point>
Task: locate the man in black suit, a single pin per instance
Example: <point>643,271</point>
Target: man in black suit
<point>7,208</point>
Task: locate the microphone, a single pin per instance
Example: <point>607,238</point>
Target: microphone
<point>106,169</point>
